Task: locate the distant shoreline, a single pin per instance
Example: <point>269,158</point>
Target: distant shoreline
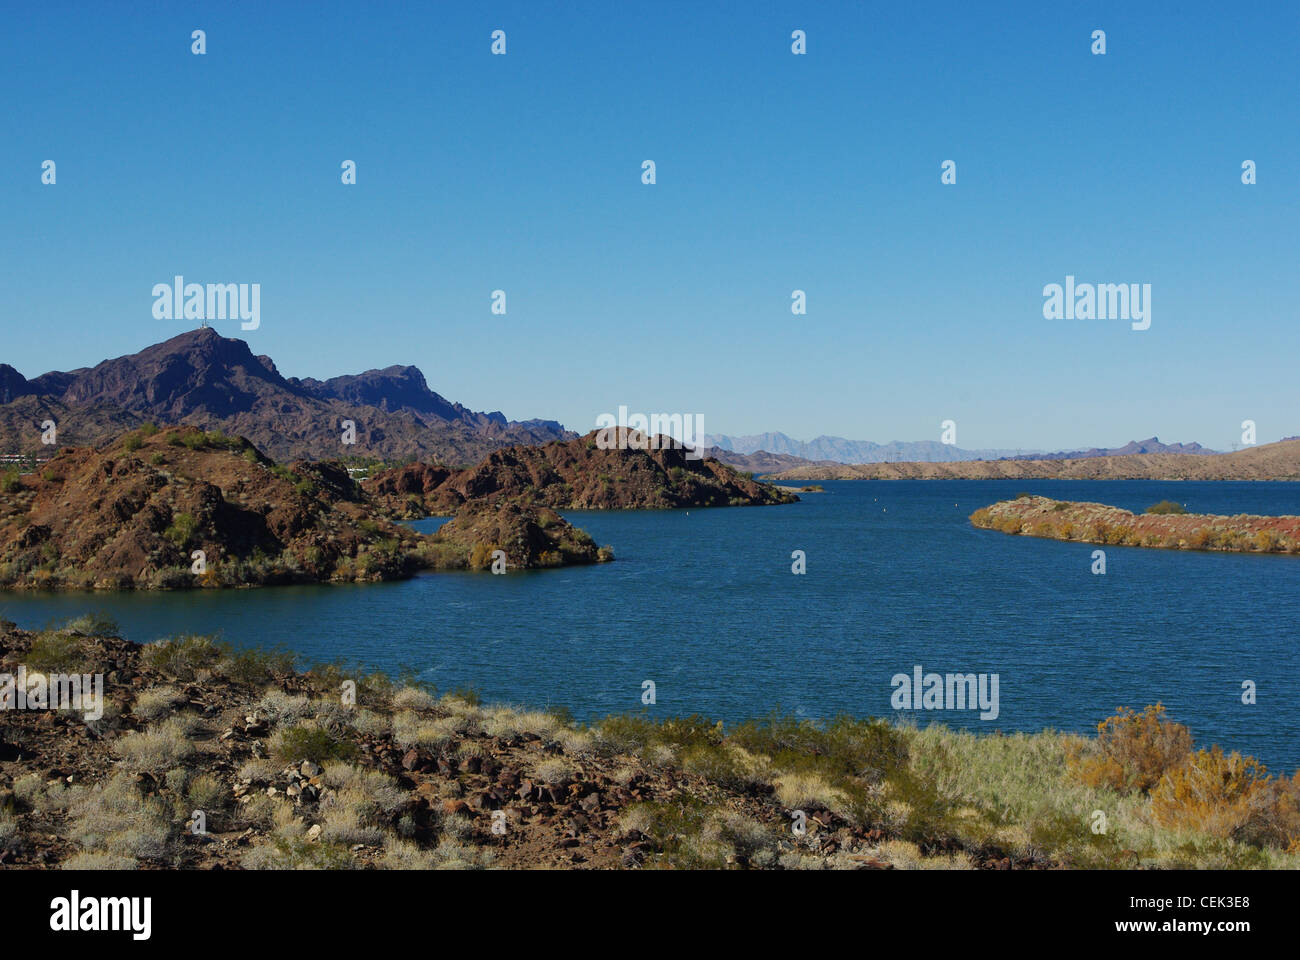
<point>1274,462</point>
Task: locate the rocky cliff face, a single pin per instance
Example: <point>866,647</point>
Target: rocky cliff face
<point>575,475</point>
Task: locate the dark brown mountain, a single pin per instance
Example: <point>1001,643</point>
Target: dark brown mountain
<point>216,383</point>
<point>132,513</point>
<point>575,475</point>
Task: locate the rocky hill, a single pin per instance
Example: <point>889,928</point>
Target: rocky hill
<point>1099,523</point>
<point>135,514</point>
<point>575,475</point>
<point>216,383</point>
<point>1273,461</point>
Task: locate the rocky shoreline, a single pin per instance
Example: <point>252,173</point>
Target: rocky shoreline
<point>199,756</point>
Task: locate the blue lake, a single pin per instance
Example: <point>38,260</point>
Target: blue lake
<point>703,602</point>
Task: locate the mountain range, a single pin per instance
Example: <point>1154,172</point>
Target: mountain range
<point>1270,461</point>
<point>203,379</point>
<point>840,450</point>
<point>827,449</point>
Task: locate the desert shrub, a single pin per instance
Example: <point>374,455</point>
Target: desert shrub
<point>157,702</point>
<point>413,698</point>
<point>182,530</point>
<point>309,741</point>
<point>296,853</point>
<point>115,820</point>
<point>1117,534</point>
<point>279,707</point>
<point>158,747</point>
<point>1010,524</point>
<point>1265,541</point>
<point>480,558</point>
<point>250,665</point>
<point>56,651</point>
<point>207,792</point>
<point>405,855</point>
<point>798,790</point>
<point>1166,507</point>
<point>133,442</point>
<point>1133,750</point>
<point>366,801</point>
<point>99,861</point>
<point>555,771</point>
<point>1212,792</point>
<point>10,482</point>
<point>1060,506</point>
<point>181,657</point>
<point>91,625</point>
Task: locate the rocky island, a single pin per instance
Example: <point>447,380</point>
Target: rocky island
<point>181,507</point>
<point>1099,523</point>
<point>625,471</point>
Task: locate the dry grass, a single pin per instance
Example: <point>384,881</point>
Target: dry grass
<point>158,747</point>
<point>157,702</point>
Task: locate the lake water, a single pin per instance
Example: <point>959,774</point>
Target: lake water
<point>703,602</point>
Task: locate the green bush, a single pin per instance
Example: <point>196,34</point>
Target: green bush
<point>181,657</point>
<point>182,530</point>
<point>309,742</point>
<point>56,652</point>
<point>1166,506</point>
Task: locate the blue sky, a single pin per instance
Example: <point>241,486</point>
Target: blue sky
<point>775,172</point>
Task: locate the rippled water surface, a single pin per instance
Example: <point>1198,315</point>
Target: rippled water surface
<point>703,603</point>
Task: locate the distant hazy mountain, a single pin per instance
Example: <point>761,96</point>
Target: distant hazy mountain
<point>1153,445</point>
<point>761,461</point>
<point>839,450</point>
<point>1273,461</point>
